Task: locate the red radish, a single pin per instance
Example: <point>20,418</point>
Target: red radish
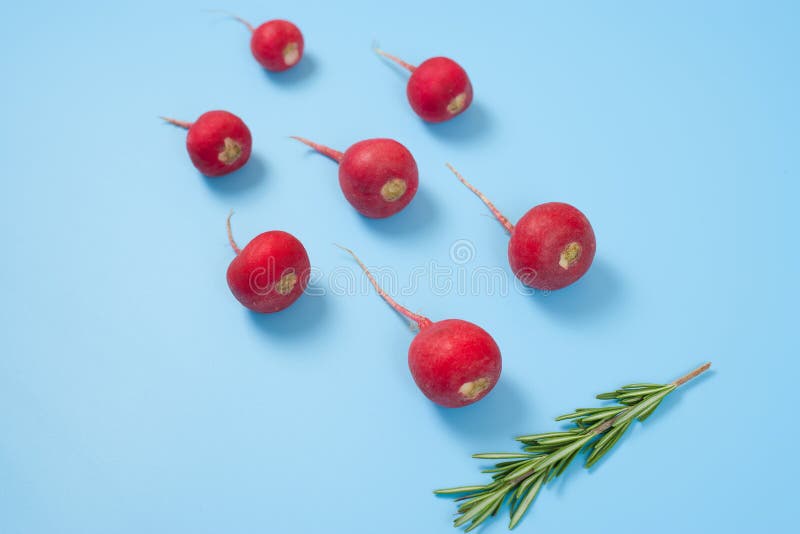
<point>551,246</point>
<point>270,273</point>
<point>378,177</point>
<point>438,89</point>
<point>453,362</point>
<point>218,142</point>
<point>277,44</point>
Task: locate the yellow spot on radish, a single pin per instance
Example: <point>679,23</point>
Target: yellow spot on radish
<point>393,189</point>
<point>286,283</point>
<point>470,390</point>
<point>457,104</point>
<point>291,54</point>
<point>231,152</point>
<point>570,255</point>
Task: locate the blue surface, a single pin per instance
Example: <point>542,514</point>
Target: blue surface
<point>136,395</point>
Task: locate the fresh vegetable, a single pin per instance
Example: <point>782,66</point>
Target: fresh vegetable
<point>277,44</point>
<point>551,246</point>
<point>218,142</point>
<point>520,475</point>
<point>270,273</point>
<point>379,177</point>
<point>453,362</point>
<point>438,89</point>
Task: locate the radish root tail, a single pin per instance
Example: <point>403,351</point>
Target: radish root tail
<point>233,16</point>
<point>175,122</point>
<point>405,65</point>
<point>499,216</point>
<point>420,320</point>
<point>335,155</point>
<point>234,246</point>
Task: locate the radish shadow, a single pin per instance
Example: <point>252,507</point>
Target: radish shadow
<point>239,182</point>
<point>300,322</point>
<point>420,213</point>
<point>472,125</point>
<point>498,415</point>
<point>595,297</point>
<point>301,72</point>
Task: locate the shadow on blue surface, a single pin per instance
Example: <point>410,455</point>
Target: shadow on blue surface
<point>420,214</point>
<point>299,321</point>
<point>497,415</point>
<point>592,298</point>
<point>240,182</point>
<point>474,124</point>
<point>301,72</point>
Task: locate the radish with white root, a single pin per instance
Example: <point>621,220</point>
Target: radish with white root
<point>379,177</point>
<point>551,246</point>
<point>453,362</point>
<point>277,44</point>
<point>270,273</point>
<point>438,89</point>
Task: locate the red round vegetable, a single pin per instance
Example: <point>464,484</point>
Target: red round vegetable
<point>277,44</point>
<point>218,142</point>
<point>270,273</point>
<point>453,362</point>
<point>379,177</point>
<point>551,246</point>
<point>438,89</point>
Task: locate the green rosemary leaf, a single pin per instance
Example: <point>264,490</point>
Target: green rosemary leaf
<point>522,488</point>
<point>607,396</point>
<point>460,489</point>
<point>563,464</point>
<point>523,505</point>
<point>605,414</point>
<point>500,455</point>
<point>645,414</point>
<point>524,469</point>
<point>642,385</point>
<point>637,393</point>
<point>604,444</point>
<point>536,437</point>
<point>473,512</point>
<point>559,441</point>
<point>474,501</point>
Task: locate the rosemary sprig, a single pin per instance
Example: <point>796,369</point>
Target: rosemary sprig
<point>518,478</point>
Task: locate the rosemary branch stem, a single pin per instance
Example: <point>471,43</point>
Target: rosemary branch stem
<point>694,374</point>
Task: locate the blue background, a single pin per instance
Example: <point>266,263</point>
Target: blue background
<point>136,395</point>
